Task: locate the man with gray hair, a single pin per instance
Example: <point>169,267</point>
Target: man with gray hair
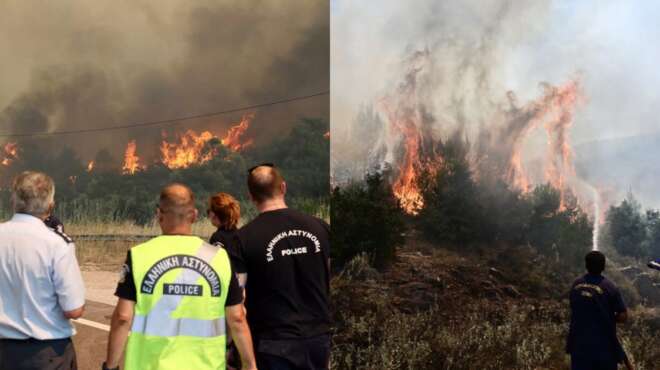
<point>41,287</point>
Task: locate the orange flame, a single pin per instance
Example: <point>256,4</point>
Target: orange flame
<point>90,166</point>
<point>10,153</point>
<point>555,109</point>
<point>559,161</point>
<point>232,139</point>
<point>403,111</point>
<point>189,150</point>
<point>190,147</point>
<point>131,160</point>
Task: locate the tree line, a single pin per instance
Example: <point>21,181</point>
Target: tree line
<point>460,211</point>
<point>105,194</point>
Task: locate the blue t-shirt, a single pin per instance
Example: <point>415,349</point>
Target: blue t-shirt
<point>595,303</point>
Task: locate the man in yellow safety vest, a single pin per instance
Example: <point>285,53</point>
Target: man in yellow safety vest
<point>175,293</point>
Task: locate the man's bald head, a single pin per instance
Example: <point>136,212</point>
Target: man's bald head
<point>178,201</point>
<point>265,183</point>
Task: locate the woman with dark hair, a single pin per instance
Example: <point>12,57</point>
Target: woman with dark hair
<point>224,212</point>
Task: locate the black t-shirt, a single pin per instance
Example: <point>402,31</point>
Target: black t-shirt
<point>222,238</point>
<point>595,302</point>
<point>285,254</point>
<point>126,287</point>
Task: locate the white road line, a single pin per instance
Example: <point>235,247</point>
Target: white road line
<point>93,324</point>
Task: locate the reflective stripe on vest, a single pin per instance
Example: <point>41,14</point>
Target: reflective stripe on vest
<point>165,326</point>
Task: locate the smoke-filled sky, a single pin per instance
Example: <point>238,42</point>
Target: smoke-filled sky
<point>611,44</point>
<point>79,64</point>
<point>486,48</point>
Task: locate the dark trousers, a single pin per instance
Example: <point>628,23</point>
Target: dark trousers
<point>32,354</point>
<point>293,354</point>
<point>593,363</point>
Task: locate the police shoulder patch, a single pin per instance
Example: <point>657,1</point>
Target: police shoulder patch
<point>63,235</point>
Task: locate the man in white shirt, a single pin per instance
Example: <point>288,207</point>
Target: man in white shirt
<point>41,287</point>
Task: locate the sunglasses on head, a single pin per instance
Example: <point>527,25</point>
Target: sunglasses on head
<point>260,165</point>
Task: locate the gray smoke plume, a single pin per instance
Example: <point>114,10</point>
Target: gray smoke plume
<point>82,64</point>
<point>487,67</point>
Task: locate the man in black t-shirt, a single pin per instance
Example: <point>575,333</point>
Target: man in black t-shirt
<point>596,308</point>
<point>282,259</point>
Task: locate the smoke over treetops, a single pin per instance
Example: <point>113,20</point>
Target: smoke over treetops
<point>522,83</point>
<point>80,64</point>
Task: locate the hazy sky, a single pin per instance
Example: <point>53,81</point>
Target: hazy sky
<point>611,45</point>
<point>75,64</point>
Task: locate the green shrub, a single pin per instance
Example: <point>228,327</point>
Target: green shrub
<point>366,218</point>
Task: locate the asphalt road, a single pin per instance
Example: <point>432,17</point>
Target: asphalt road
<point>91,339</point>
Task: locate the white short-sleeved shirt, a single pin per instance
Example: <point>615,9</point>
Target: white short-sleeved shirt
<point>39,280</point>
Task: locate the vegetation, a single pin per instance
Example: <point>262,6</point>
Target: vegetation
<point>631,232</point>
<point>105,195</point>
<point>445,310</point>
<point>367,220</point>
<point>478,279</point>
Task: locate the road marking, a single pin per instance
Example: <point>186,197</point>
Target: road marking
<point>93,324</point>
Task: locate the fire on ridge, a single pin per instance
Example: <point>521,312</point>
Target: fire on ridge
<point>190,148</point>
<point>405,114</point>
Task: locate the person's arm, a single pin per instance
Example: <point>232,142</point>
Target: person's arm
<point>237,259</point>
<point>122,317</point>
<point>620,310</point>
<point>120,325</point>
<point>237,321</point>
<point>75,314</point>
<point>68,283</point>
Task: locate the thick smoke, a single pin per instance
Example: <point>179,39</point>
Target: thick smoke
<point>486,68</point>
<point>82,64</point>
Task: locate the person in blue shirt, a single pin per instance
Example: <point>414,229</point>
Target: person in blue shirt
<point>596,308</point>
<point>41,286</point>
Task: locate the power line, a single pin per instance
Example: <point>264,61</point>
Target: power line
<point>166,121</point>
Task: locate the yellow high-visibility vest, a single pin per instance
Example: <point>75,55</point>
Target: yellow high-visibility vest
<point>179,322</point>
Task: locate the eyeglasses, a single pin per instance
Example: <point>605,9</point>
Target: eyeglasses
<point>260,165</point>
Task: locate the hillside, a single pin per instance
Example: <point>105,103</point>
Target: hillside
<point>490,308</point>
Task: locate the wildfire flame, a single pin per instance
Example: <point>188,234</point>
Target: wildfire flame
<point>190,148</point>
<point>406,187</point>
<point>555,110</point>
<point>10,153</point>
<point>90,166</point>
<point>232,139</point>
<point>409,123</point>
<point>131,160</point>
<point>187,151</point>
<point>405,115</point>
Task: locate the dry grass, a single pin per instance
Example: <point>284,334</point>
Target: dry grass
<point>202,228</point>
<point>380,323</point>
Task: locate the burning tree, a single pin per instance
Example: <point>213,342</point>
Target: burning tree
<point>414,133</point>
